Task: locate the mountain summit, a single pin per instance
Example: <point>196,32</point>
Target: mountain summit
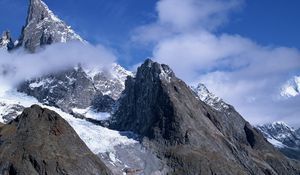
<point>189,135</point>
<point>43,27</point>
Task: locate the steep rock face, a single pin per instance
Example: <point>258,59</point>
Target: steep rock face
<point>284,137</point>
<point>66,90</point>
<point>79,88</point>
<point>43,27</point>
<point>188,134</point>
<point>39,141</point>
<point>6,41</point>
<point>232,122</point>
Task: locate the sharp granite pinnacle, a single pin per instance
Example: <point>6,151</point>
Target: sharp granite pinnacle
<point>43,28</point>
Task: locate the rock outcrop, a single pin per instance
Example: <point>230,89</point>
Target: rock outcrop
<point>40,142</point>
<point>188,134</point>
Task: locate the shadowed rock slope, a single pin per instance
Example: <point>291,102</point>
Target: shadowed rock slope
<point>189,135</point>
<point>40,142</point>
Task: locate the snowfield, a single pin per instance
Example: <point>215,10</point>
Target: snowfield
<point>99,139</point>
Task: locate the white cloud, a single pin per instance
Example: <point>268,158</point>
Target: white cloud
<point>243,72</point>
<point>182,16</point>
<point>20,65</point>
<point>187,14</point>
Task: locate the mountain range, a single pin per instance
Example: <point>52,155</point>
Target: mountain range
<point>95,121</point>
<point>284,137</point>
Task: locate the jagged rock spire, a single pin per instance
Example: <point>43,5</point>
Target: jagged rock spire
<point>43,27</point>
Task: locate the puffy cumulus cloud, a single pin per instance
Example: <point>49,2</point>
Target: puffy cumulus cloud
<point>201,53</point>
<point>187,14</point>
<point>178,16</point>
<point>20,65</point>
<point>244,73</point>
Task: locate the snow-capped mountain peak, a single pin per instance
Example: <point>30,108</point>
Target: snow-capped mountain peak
<point>291,88</point>
<point>43,27</point>
<point>280,132</point>
<point>209,98</point>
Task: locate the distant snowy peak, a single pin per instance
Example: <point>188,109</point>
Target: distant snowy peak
<point>280,132</point>
<point>291,88</point>
<point>43,27</point>
<point>6,41</point>
<point>209,98</point>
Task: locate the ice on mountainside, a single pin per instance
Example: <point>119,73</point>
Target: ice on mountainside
<point>118,150</point>
<point>280,132</point>
<point>97,138</point>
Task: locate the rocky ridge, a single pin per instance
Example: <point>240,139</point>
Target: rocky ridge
<point>73,88</point>
<point>43,27</point>
<point>39,141</point>
<point>189,135</point>
<point>284,137</point>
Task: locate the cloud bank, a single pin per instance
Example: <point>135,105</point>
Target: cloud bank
<point>20,65</point>
<point>246,74</point>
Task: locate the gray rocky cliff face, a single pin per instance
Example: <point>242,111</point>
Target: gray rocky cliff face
<point>43,27</point>
<point>188,134</point>
<point>78,88</point>
<point>40,142</point>
<point>66,90</point>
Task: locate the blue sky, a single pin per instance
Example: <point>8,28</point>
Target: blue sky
<point>243,50</point>
<point>112,22</point>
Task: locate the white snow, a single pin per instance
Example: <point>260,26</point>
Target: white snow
<point>42,82</point>
<point>291,88</point>
<point>276,143</point>
<point>89,113</point>
<point>98,139</point>
<point>209,98</point>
